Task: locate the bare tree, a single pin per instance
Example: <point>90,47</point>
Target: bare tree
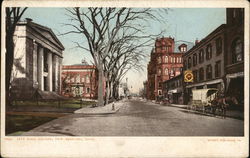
<point>13,16</point>
<point>100,27</point>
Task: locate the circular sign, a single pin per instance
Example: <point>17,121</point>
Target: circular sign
<point>188,76</point>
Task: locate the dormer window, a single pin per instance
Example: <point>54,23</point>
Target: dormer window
<point>183,48</point>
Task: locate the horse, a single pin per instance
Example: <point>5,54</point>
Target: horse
<point>222,103</point>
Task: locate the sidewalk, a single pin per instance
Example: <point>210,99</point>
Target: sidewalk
<point>107,109</point>
<point>230,113</point>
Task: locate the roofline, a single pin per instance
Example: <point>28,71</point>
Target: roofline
<point>45,28</point>
<point>222,26</point>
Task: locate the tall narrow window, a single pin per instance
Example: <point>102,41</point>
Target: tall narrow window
<point>87,79</point>
<point>217,71</point>
<point>159,60</point>
<point>194,59</point>
<point>209,52</point>
<point>201,56</point>
<point>166,71</point>
<point>209,72</point>
<point>189,62</point>
<point>218,46</point>
<point>201,74</point>
<point>237,51</point>
<point>166,59</point>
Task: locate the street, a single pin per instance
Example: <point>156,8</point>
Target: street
<point>140,118</point>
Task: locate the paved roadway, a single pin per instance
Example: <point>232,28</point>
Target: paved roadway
<point>140,118</point>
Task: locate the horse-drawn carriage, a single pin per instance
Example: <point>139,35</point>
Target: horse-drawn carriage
<point>211,100</point>
<point>202,99</point>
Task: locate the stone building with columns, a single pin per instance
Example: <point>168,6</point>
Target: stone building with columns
<point>37,60</point>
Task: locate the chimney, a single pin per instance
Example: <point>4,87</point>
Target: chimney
<point>196,41</point>
<point>28,19</point>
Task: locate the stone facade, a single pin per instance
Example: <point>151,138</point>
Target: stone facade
<point>165,63</point>
<point>79,80</point>
<point>36,51</point>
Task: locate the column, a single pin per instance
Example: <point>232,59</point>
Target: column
<point>35,64</point>
<point>49,78</point>
<point>56,73</point>
<point>40,69</point>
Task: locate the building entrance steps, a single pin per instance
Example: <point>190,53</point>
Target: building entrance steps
<point>107,109</point>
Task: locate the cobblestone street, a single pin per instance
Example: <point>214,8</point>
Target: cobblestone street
<point>141,118</point>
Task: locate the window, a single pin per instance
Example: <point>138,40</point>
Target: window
<point>159,60</point>
<point>166,59</point>
<point>159,71</point>
<point>169,48</point>
<point>171,60</point>
<point>87,79</point>
<point>172,72</point>
<point>237,51</point>
<point>194,59</point>
<point>180,60</point>
<point>78,78</point>
<point>201,56</point>
<point>218,46</point>
<point>164,48</point>
<point>185,64</point>
<point>83,79</point>
<point>201,74</point>
<point>166,71</point>
<point>159,84</point>
<point>209,52</point>
<point>217,72</point>
<point>189,62</point>
<point>88,90</point>
<point>195,73</point>
<point>209,72</point>
<point>72,79</point>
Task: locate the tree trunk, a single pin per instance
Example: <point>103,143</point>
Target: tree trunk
<point>100,85</point>
<point>9,58</point>
<point>107,92</point>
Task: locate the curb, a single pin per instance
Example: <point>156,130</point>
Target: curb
<point>206,114</point>
<point>100,113</point>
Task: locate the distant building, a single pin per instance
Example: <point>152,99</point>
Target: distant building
<point>79,80</point>
<point>37,60</point>
<point>173,90</point>
<point>165,63</point>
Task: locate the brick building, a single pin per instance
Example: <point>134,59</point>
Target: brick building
<point>79,80</point>
<point>206,61</point>
<point>173,89</point>
<point>234,60</point>
<point>37,60</point>
<point>217,61</point>
<point>165,63</point>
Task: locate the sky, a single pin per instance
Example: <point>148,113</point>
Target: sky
<point>186,24</point>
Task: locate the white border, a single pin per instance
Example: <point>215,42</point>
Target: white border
<point>128,146</point>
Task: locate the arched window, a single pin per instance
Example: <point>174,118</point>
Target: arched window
<point>166,71</point>
<point>159,71</point>
<point>166,59</point>
<point>159,60</point>
<point>173,59</point>
<point>237,51</point>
